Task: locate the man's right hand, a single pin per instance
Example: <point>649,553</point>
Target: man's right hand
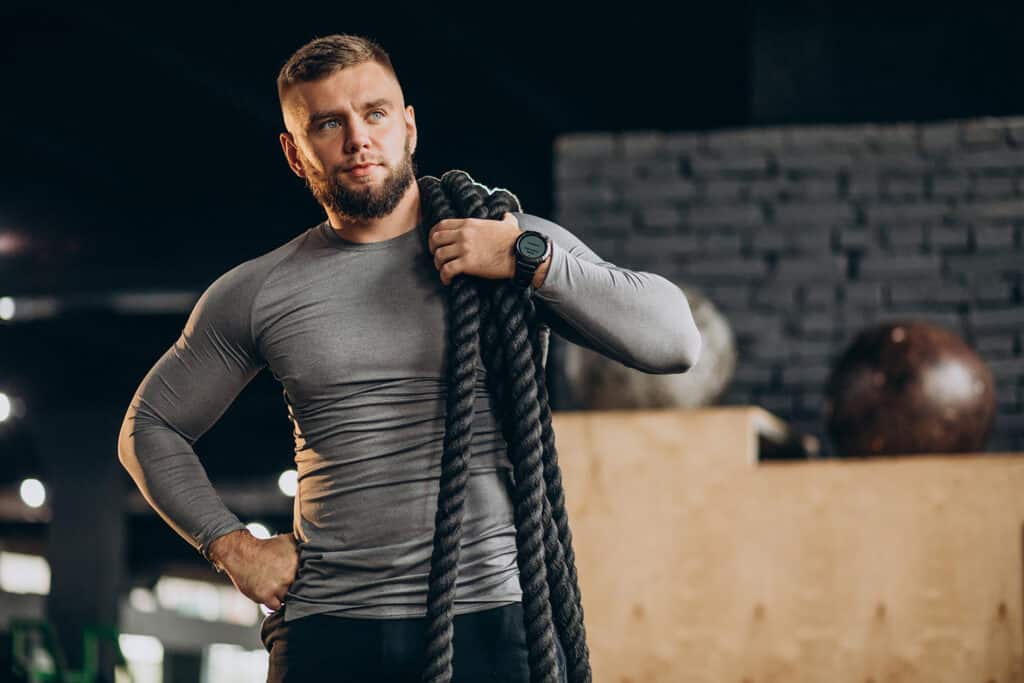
<point>261,569</point>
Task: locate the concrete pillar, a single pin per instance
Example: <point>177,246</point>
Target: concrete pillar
<point>85,546</point>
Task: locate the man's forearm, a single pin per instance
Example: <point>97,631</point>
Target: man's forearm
<point>639,319</point>
<point>168,474</point>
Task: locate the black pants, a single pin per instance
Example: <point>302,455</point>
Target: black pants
<point>488,646</point>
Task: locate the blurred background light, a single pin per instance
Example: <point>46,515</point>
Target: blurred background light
<point>258,530</point>
<point>226,663</point>
<point>143,600</point>
<point>33,493</point>
<point>205,600</point>
<point>288,482</point>
<point>22,573</point>
<point>145,657</point>
<point>5,406</point>
<point>12,243</point>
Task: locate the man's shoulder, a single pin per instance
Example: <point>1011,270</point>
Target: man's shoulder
<point>249,275</point>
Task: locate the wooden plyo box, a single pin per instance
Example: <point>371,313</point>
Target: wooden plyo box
<point>699,564</point>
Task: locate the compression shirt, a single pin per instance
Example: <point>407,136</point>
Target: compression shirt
<point>356,334</point>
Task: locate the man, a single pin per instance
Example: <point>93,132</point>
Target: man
<point>349,317</point>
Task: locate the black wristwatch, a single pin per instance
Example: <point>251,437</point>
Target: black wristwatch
<point>531,249</point>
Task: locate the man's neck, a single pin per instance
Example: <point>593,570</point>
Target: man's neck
<point>405,217</point>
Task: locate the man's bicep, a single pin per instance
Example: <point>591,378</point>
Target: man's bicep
<point>214,358</point>
<point>190,387</point>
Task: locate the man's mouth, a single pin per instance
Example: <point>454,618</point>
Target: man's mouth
<point>365,169</point>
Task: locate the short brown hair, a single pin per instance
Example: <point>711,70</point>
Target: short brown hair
<point>323,56</point>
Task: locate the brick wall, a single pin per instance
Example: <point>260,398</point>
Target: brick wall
<point>804,235</point>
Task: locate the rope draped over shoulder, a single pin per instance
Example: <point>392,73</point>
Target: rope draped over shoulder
<point>495,321</point>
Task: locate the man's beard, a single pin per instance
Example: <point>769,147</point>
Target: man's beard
<point>366,202</point>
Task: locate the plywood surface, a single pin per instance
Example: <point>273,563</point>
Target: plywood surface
<point>697,564</point>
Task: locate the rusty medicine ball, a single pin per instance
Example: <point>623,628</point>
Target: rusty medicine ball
<point>909,387</point>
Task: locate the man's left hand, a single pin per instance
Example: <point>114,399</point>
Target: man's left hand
<point>474,246</point>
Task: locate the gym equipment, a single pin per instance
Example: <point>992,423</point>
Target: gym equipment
<point>493,325</point>
<point>37,657</point>
<point>907,387</point>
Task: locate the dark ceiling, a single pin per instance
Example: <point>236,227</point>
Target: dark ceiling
<point>141,147</point>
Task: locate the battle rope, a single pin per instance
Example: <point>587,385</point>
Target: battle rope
<point>496,319</point>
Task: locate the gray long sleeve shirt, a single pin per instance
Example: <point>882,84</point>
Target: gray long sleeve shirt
<point>356,335</point>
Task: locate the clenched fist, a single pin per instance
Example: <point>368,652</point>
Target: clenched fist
<point>261,569</point>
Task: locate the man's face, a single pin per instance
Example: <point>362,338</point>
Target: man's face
<point>354,116</point>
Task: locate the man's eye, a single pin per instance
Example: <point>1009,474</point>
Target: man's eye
<point>377,112</point>
<point>324,124</point>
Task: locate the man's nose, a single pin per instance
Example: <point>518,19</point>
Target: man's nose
<point>358,138</point>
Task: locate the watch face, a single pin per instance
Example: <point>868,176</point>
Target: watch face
<point>531,246</point>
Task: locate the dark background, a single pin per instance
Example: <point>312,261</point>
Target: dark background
<point>139,148</point>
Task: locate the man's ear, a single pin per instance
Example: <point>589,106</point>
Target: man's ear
<point>410,124</point>
<point>291,154</point>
